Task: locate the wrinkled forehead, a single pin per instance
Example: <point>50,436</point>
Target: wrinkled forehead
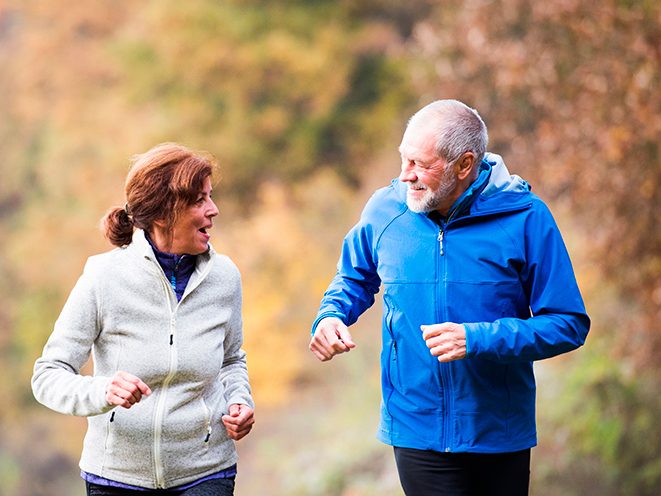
<point>418,139</point>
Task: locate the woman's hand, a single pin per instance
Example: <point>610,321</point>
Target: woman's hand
<point>126,390</point>
<point>239,421</point>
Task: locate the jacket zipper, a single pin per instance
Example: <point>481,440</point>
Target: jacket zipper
<point>160,405</point>
<point>444,368</point>
<point>173,279</point>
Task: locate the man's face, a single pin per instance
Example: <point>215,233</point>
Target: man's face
<point>432,185</point>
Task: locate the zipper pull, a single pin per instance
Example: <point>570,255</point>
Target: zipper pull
<point>440,240</point>
<point>173,279</point>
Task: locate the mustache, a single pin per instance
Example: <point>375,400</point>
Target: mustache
<point>417,185</point>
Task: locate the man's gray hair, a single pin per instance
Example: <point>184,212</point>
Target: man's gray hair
<point>458,128</point>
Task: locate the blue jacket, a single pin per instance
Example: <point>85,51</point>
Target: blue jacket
<point>499,266</point>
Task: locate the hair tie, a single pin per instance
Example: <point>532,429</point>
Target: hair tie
<point>128,212</point>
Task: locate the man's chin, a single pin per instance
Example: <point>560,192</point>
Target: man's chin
<point>418,207</point>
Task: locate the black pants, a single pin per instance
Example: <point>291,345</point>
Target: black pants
<point>213,487</point>
<point>430,473</point>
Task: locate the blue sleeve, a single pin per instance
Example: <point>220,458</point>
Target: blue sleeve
<point>352,290</point>
<point>558,321</point>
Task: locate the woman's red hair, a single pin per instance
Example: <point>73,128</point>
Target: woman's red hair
<point>160,184</point>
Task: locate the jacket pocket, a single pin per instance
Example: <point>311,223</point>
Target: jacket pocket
<point>392,366</point>
<point>128,436</point>
<point>207,420</point>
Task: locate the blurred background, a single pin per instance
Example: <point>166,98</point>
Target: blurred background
<point>303,103</point>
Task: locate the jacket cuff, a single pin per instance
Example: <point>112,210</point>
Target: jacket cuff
<point>323,315</point>
<point>100,404</point>
<point>242,397</point>
<point>472,339</point>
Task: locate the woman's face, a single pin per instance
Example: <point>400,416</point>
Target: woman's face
<point>190,231</point>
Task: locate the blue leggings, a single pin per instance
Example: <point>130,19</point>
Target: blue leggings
<point>430,473</point>
<point>213,487</point>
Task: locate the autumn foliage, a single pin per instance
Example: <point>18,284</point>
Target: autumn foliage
<point>303,104</point>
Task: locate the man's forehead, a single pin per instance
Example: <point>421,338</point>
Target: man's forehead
<point>417,140</point>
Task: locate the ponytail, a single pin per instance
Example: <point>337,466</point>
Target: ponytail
<point>117,226</point>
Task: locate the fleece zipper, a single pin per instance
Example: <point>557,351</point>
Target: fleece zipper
<point>160,404</point>
<point>159,412</point>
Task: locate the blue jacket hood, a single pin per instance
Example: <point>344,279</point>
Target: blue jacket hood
<point>493,180</point>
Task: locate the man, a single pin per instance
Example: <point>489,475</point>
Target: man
<point>477,285</point>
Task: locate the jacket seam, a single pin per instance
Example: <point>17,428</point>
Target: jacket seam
<point>512,241</point>
<point>386,226</point>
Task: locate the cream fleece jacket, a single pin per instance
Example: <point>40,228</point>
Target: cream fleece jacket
<point>124,311</point>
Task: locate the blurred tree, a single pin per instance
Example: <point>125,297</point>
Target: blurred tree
<point>571,96</point>
<point>274,89</point>
<point>297,99</point>
<point>570,92</point>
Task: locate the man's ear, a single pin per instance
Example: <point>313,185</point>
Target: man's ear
<point>465,165</point>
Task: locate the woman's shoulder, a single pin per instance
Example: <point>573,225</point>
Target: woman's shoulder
<point>223,264</point>
<point>109,261</point>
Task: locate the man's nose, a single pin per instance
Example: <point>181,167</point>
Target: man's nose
<point>408,173</point>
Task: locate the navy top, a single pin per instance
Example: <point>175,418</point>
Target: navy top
<point>177,268</point>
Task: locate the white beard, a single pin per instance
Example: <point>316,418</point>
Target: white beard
<point>431,199</point>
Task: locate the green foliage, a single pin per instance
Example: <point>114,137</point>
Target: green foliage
<point>9,473</point>
<point>610,419</point>
<point>273,91</point>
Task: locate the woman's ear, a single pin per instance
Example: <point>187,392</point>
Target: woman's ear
<point>160,223</point>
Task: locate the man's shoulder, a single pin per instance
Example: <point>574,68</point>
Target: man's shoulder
<point>385,204</point>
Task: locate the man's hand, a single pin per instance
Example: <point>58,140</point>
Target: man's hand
<point>238,421</point>
<point>331,337</point>
<point>125,390</point>
<point>446,341</point>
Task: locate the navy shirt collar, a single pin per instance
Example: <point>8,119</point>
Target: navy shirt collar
<point>177,268</point>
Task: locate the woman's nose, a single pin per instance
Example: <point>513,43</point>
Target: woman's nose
<point>213,211</point>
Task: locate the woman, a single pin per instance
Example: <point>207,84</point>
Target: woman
<point>161,315</point>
